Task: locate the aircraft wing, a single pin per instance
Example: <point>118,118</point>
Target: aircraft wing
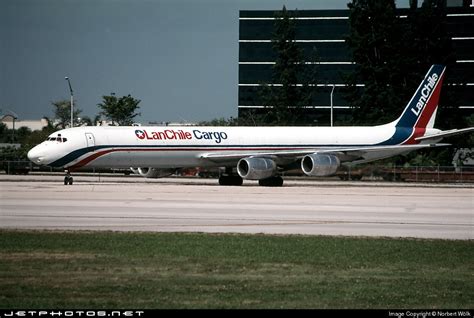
<point>446,133</point>
<point>344,154</point>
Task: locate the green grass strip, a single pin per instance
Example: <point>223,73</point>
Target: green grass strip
<point>96,270</point>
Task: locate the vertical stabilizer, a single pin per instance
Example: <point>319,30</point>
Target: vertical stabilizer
<point>421,110</point>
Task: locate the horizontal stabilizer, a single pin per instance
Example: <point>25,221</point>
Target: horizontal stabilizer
<point>446,133</point>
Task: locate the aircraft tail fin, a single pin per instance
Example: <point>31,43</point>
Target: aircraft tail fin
<point>420,111</point>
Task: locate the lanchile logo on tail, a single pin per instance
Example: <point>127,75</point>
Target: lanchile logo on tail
<point>424,94</point>
<point>424,102</point>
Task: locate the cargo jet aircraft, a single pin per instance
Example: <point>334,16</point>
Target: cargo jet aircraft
<point>257,153</point>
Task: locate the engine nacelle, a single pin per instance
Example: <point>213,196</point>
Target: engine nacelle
<point>320,165</point>
<point>153,172</point>
<point>256,168</point>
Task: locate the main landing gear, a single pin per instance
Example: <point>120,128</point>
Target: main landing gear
<point>234,180</point>
<point>228,178</point>
<point>231,179</point>
<point>275,181</point>
<point>68,178</point>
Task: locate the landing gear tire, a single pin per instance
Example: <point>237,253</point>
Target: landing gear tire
<point>68,178</point>
<point>271,182</point>
<point>230,180</point>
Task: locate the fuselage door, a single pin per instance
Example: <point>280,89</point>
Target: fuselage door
<point>90,140</point>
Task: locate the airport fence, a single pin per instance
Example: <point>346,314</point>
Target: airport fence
<point>440,174</point>
<point>367,172</point>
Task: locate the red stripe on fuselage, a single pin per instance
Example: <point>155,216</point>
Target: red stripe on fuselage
<point>417,132</point>
<point>98,154</point>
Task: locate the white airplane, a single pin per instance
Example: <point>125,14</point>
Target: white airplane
<point>257,153</point>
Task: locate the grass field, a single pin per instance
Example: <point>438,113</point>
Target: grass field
<point>110,270</point>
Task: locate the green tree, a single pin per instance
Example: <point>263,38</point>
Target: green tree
<point>22,134</point>
<point>426,32</point>
<point>19,135</point>
<point>85,121</point>
<point>62,113</point>
<point>375,39</point>
<point>430,44</point>
<point>120,111</point>
<point>5,135</point>
<point>38,136</point>
<point>97,120</point>
<point>285,103</point>
<point>392,55</point>
<point>220,122</point>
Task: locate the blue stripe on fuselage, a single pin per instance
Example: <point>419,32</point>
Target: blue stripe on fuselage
<point>73,156</point>
<point>400,135</point>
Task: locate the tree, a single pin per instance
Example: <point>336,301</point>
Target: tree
<point>38,136</point>
<point>392,55</point>
<point>5,136</point>
<point>284,103</point>
<point>120,111</point>
<point>427,34</point>
<point>375,41</point>
<point>431,44</point>
<point>220,122</point>
<point>24,136</point>
<point>62,113</point>
<point>86,121</point>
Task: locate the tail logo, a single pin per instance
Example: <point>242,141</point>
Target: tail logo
<point>425,94</point>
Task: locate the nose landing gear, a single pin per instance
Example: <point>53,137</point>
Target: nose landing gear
<point>68,178</point>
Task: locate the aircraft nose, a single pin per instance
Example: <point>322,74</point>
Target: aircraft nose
<point>35,155</point>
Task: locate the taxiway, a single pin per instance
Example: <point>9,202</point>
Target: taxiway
<point>200,205</point>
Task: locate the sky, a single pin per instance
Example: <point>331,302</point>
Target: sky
<point>179,57</point>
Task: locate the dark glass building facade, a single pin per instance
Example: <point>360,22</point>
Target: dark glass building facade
<point>325,31</point>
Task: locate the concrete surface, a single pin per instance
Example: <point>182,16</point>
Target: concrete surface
<point>200,205</point>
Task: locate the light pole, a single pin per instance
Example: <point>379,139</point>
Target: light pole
<point>13,132</point>
<point>332,91</point>
<point>72,101</point>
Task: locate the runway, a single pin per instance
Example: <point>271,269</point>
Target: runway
<point>200,205</point>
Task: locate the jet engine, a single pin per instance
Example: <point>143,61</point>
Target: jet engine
<point>320,165</point>
<point>153,172</point>
<point>256,168</point>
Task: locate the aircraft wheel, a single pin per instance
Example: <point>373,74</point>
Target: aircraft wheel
<point>276,181</point>
<point>68,180</point>
<point>230,180</point>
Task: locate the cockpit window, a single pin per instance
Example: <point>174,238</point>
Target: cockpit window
<point>59,139</point>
